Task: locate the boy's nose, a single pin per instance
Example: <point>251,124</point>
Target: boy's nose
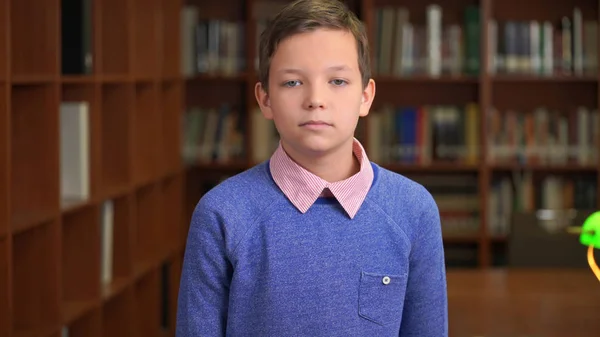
<point>314,98</point>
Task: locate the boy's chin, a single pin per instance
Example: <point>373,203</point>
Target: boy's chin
<point>317,147</point>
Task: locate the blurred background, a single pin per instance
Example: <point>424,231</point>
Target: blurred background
<point>117,115</point>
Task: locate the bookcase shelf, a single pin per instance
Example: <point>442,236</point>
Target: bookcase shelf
<point>34,48</point>
<point>4,23</point>
<point>90,103</point>
<point>115,36</point>
<point>89,324</point>
<point>34,189</point>
<point>4,159</point>
<point>80,259</point>
<point>168,29</point>
<point>170,108</point>
<point>5,318</point>
<point>35,279</point>
<point>147,304</point>
<point>120,248</point>
<point>172,230</point>
<point>117,140</point>
<point>87,126</point>
<point>145,38</point>
<point>147,242</point>
<point>118,315</point>
<point>147,132</point>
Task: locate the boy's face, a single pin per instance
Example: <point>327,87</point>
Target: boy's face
<point>315,92</point>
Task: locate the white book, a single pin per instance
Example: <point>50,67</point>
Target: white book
<point>189,21</point>
<point>577,42</point>
<point>74,150</point>
<point>434,40</point>
<point>107,229</point>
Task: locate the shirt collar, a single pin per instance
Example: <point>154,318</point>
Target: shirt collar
<point>303,188</point>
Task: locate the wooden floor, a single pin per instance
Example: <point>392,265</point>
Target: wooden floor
<point>523,303</point>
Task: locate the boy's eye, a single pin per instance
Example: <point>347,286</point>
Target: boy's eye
<point>338,82</point>
<point>292,83</point>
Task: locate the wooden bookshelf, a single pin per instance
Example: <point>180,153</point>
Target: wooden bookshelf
<point>486,87</point>
<point>86,252</point>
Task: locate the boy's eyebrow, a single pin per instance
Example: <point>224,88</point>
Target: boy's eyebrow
<point>342,67</point>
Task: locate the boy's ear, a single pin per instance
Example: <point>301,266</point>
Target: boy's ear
<point>368,95</point>
<point>264,102</point>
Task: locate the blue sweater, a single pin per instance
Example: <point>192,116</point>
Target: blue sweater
<point>255,266</point>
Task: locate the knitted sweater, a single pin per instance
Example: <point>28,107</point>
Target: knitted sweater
<point>255,266</point>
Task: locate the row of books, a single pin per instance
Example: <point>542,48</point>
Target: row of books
<point>543,48</point>
<point>424,134</point>
<point>418,135</point>
<point>211,46</point>
<point>543,136</point>
<point>213,134</point>
<point>404,48</point>
<point>518,193</point>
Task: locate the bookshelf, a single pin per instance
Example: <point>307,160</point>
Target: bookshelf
<point>91,181</point>
<point>481,99</point>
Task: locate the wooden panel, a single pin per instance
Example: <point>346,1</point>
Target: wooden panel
<point>222,9</point>
<point>4,288</point>
<point>542,10</point>
<point>4,39</point>
<point>147,132</point>
<point>90,93</point>
<point>213,93</point>
<point>147,305</point>
<point>523,302</point>
<point>552,95</point>
<point>35,278</point>
<point>117,104</point>
<point>80,259</point>
<point>34,47</point>
<point>426,93</point>
<point>452,10</point>
<point>145,38</point>
<point>89,325</point>
<point>171,222</point>
<point>118,316</point>
<point>170,48</point>
<point>34,153</point>
<point>174,281</point>
<point>149,205</point>
<point>115,33</point>
<point>171,109</point>
<point>4,158</point>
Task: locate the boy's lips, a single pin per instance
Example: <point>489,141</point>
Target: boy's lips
<point>315,123</point>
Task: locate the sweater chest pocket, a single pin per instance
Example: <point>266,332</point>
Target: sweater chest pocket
<point>381,297</point>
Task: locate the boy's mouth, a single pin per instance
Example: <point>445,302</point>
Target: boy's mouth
<point>315,123</point>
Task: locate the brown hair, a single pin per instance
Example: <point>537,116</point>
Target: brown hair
<point>307,15</point>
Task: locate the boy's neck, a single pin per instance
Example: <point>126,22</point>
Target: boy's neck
<point>335,166</point>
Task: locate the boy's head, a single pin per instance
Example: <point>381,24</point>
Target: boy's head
<point>303,16</point>
<point>314,75</point>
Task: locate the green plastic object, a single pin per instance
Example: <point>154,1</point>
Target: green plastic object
<point>590,231</point>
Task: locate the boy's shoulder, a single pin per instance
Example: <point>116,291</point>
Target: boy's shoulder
<point>399,195</point>
<point>394,185</point>
<point>242,194</point>
<point>240,185</point>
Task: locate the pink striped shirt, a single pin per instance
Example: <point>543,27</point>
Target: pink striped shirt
<point>303,188</point>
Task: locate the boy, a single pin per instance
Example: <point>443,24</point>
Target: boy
<point>316,241</point>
